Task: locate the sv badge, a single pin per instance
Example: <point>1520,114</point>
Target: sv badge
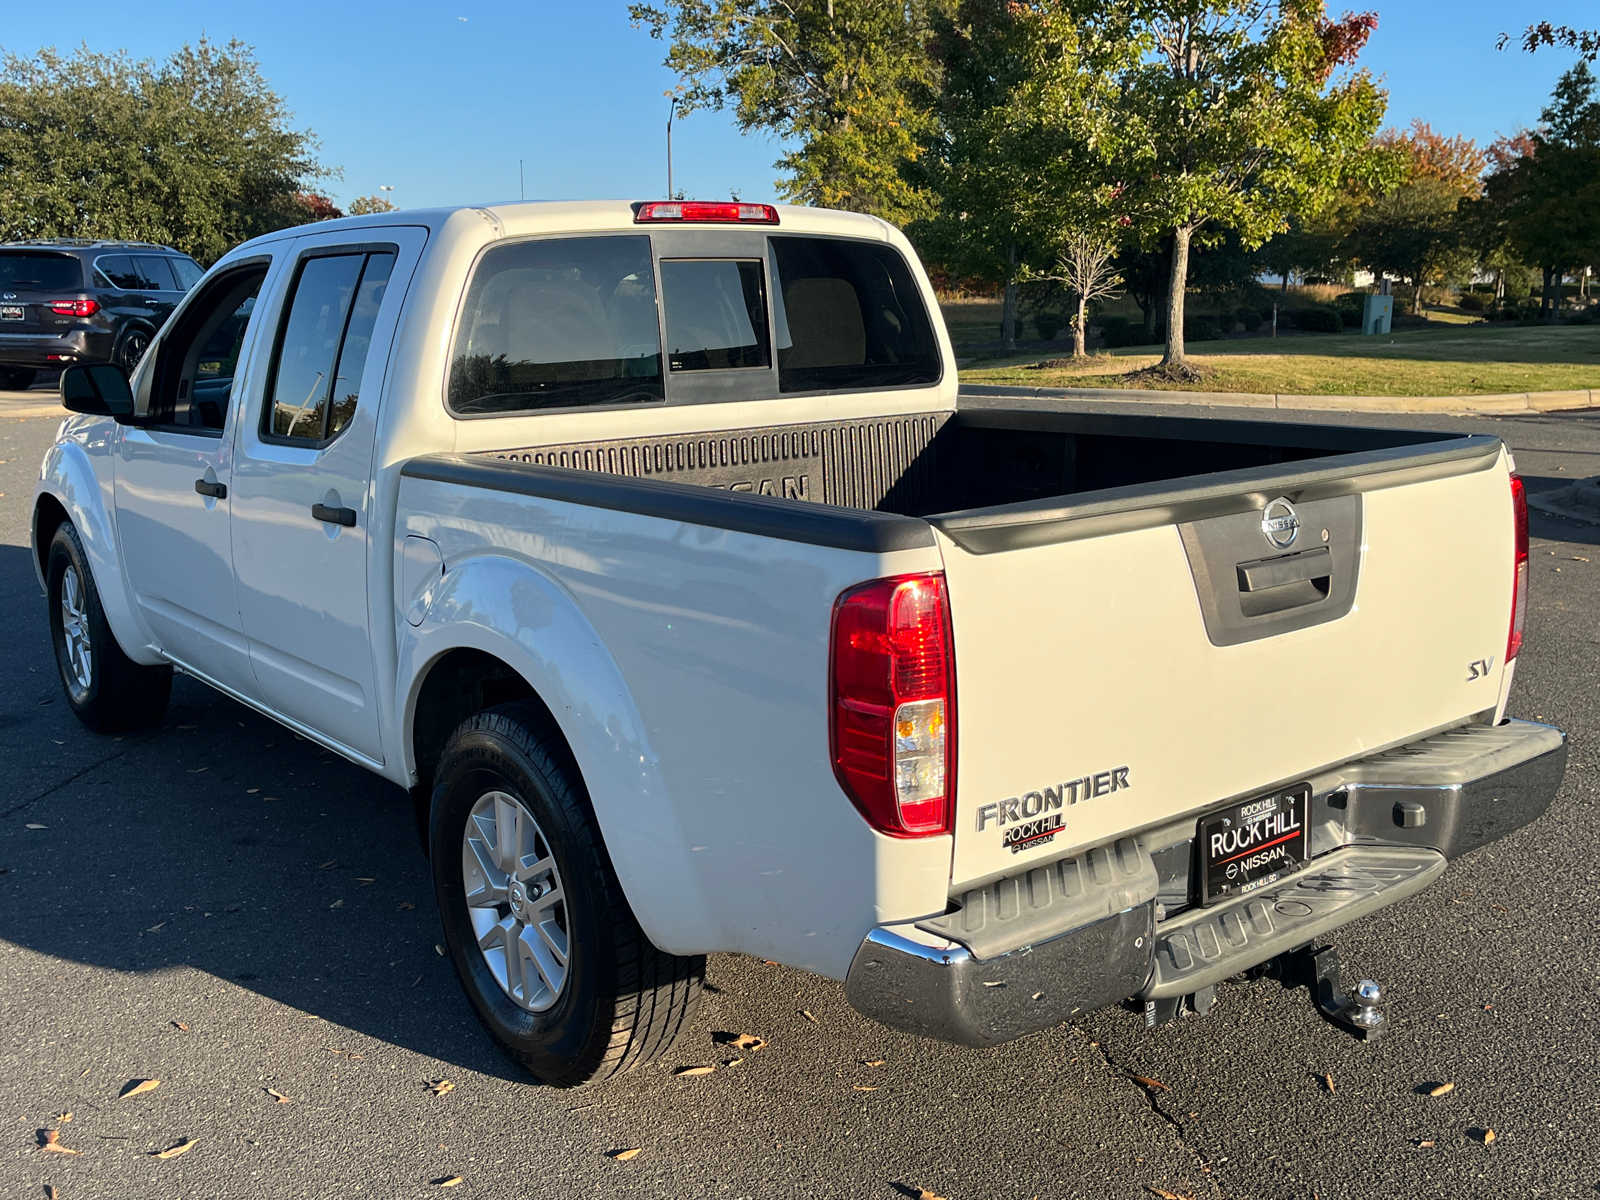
<point>1479,669</point>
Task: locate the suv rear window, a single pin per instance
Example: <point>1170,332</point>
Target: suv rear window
<point>40,272</point>
<point>848,315</point>
<point>558,323</point>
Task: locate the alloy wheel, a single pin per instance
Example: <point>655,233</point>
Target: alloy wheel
<point>515,899</point>
<point>75,629</point>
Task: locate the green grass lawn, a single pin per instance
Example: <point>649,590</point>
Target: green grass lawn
<point>1454,360</point>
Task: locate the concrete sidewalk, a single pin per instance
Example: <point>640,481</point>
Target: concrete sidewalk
<point>1508,404</point>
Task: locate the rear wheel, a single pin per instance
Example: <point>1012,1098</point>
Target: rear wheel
<point>107,690</point>
<point>131,348</point>
<point>546,947</point>
<point>16,379</point>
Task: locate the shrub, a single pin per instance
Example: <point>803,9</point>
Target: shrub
<point>1048,324</point>
<point>1472,302</point>
<point>1319,320</point>
<point>1120,331</point>
<point>1201,327</point>
<point>1249,318</point>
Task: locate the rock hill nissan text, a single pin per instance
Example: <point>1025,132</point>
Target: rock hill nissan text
<point>585,523</point>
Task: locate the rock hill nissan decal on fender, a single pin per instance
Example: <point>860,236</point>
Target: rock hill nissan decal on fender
<point>1035,817</point>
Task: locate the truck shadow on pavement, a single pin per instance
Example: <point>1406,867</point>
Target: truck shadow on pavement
<point>222,842</point>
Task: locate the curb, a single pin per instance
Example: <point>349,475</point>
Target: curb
<point>1510,403</point>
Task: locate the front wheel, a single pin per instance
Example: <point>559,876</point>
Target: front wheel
<point>16,379</point>
<point>107,690</point>
<point>131,349</point>
<point>548,951</point>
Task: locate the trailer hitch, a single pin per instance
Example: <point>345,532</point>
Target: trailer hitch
<point>1319,971</point>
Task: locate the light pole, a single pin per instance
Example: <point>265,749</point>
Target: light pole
<point>385,187</point>
<point>671,112</point>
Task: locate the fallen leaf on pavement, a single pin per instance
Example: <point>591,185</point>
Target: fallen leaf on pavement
<point>1166,1195</point>
<point>860,1088</point>
<point>337,904</point>
<point>732,1062</point>
<point>364,881</point>
<point>438,948</point>
<point>278,1096</point>
<point>182,1147</point>
<point>682,1072</point>
<point>329,865</point>
<point>251,791</point>
<point>873,1062</point>
<point>807,1015</point>
<point>416,981</point>
<point>153,928</point>
<point>139,1087</point>
<point>925,1194</point>
<point>1427,1143</point>
<point>51,1141</point>
<point>1488,1136</point>
<point>1327,1080</point>
<point>181,1026</point>
<point>1153,1084</point>
<point>440,1087</point>
<point>452,1181</point>
<point>50,1193</point>
<point>1444,1089</point>
<point>625,1155</point>
<point>748,1041</point>
<point>32,825</point>
<point>404,906</point>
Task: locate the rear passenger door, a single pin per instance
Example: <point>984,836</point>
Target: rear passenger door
<point>303,495</point>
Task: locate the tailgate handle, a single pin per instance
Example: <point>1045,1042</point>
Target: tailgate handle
<point>1305,567</point>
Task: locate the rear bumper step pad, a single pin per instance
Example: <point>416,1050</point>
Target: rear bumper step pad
<point>1206,945</point>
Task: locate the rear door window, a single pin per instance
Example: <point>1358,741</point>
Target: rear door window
<point>848,315</point>
<point>187,271</point>
<point>322,348</point>
<point>155,272</point>
<point>716,314</point>
<point>558,323</point>
<point>40,272</point>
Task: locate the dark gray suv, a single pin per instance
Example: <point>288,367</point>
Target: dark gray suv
<point>65,301</point>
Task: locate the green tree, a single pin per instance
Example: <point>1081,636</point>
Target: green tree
<point>1413,232</point>
<point>196,152</point>
<point>1549,194</point>
<point>1234,118</point>
<point>363,205</point>
<point>849,80</point>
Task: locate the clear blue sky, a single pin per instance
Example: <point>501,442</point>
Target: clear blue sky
<point>440,99</point>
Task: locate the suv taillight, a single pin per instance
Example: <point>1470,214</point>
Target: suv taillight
<point>891,720</point>
<point>1519,583</point>
<point>73,308</point>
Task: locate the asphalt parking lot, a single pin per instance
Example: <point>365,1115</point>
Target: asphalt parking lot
<point>236,912</point>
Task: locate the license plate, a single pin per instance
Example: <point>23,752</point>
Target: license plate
<point>1255,843</point>
<point>12,312</point>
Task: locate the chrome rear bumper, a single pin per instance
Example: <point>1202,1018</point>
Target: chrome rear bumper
<point>1389,825</point>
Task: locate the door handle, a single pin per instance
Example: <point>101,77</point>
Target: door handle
<point>1305,567</point>
<point>217,491</point>
<point>334,516</point>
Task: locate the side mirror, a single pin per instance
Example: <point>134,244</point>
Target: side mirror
<point>98,389</point>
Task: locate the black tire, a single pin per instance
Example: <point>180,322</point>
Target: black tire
<point>16,379</point>
<point>131,347</point>
<point>623,1002</point>
<point>113,693</point>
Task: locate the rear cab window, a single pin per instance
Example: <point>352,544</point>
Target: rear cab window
<point>685,316</point>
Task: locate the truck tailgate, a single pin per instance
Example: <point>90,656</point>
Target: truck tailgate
<point>1137,661</point>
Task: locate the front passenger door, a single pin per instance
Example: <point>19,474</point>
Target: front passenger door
<point>303,486</point>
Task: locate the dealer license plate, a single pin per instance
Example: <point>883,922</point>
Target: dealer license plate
<point>12,312</point>
<point>1253,844</point>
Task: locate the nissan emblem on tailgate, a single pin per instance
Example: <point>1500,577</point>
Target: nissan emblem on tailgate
<point>1280,523</point>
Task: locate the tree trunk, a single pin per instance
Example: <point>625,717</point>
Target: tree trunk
<point>1500,287</point>
<point>1008,311</point>
<point>1176,286</point>
<point>1079,328</point>
<point>1546,295</point>
<point>1285,285</point>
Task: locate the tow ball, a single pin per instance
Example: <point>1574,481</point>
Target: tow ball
<point>1359,1014</point>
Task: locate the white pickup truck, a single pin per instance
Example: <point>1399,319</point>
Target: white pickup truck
<point>651,547</point>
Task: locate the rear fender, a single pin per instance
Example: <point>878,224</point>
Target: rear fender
<point>68,476</point>
<point>517,614</point>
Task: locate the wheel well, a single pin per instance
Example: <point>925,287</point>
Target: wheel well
<point>47,518</point>
<point>458,685</point>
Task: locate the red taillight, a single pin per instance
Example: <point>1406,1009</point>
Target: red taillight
<point>892,704</point>
<point>73,308</point>
<point>722,212</point>
<point>1519,583</point>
